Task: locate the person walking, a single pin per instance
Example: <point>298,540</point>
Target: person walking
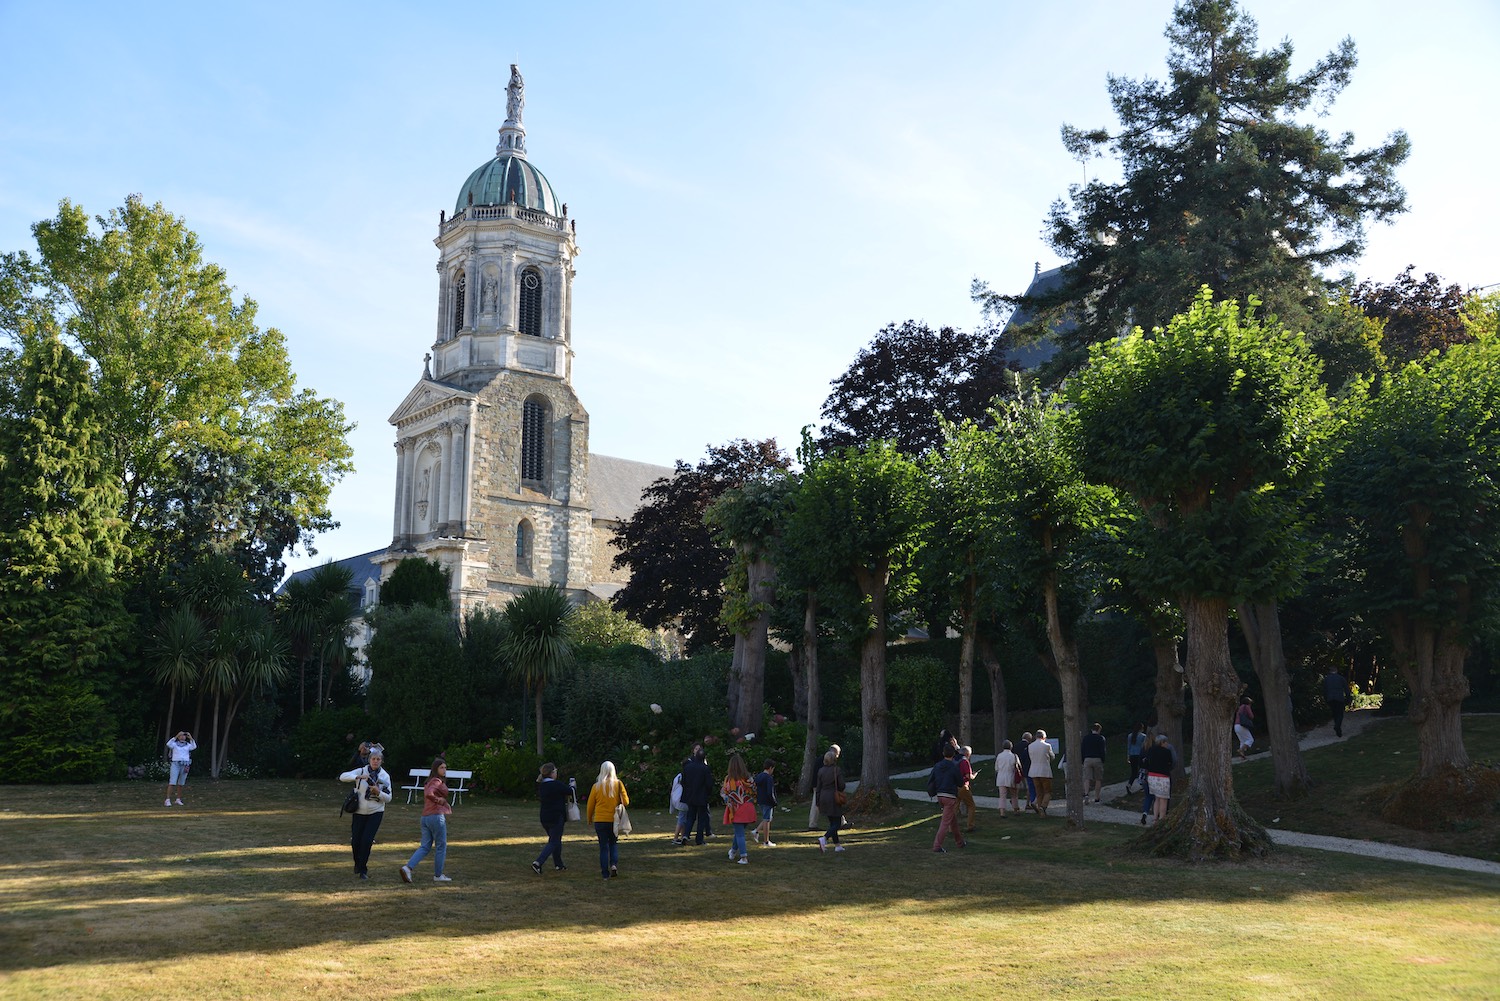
<point>1041,771</point>
<point>1024,754</point>
<point>1158,764</point>
<point>828,792</point>
<point>966,775</point>
<point>180,758</point>
<point>435,811</point>
<point>944,783</point>
<point>554,797</point>
<point>1008,777</point>
<point>373,787</point>
<point>697,787</point>
<point>765,802</point>
<point>1093,762</point>
<point>1336,694</point>
<point>1135,749</point>
<point>1244,721</point>
<point>739,806</point>
<point>607,795</point>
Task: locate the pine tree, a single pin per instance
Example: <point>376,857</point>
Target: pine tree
<point>61,618</point>
<point>1222,186</point>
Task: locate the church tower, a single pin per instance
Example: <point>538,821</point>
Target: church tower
<point>492,443</point>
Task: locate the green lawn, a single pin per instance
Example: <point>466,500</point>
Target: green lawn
<point>249,893</point>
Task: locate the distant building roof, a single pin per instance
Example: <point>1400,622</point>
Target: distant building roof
<point>1041,351</point>
<point>616,485</point>
<point>363,569</point>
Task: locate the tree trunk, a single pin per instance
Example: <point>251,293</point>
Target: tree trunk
<point>213,744</point>
<point>736,678</point>
<point>301,687</point>
<point>1261,624</point>
<point>966,662</point>
<point>875,789</point>
<point>1065,661</point>
<point>230,712</point>
<point>799,683</point>
<point>810,757</point>
<point>1170,706</point>
<point>1208,822</point>
<point>762,584</point>
<point>1432,662</point>
<point>998,699</point>
<point>540,752</point>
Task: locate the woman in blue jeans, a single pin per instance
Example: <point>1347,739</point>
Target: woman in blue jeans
<point>435,810</point>
<point>607,794</point>
<point>554,815</point>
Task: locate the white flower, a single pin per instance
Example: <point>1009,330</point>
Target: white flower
<point>749,736</point>
<point>645,747</point>
<point>656,708</point>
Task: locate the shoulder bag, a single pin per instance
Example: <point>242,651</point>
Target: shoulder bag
<point>573,812</point>
<point>622,819</point>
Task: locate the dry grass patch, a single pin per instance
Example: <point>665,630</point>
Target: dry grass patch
<point>249,893</point>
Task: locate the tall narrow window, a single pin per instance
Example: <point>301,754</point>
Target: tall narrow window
<point>535,414</point>
<point>523,546</point>
<point>529,314</point>
<point>460,288</point>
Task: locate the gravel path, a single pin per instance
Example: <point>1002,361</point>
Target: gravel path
<point>1354,722</point>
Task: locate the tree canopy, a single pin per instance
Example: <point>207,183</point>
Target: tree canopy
<point>1223,184</point>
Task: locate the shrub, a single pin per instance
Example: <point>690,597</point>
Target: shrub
<point>418,686</point>
<point>325,739</point>
<point>915,687</point>
<point>66,735</point>
<point>503,765</point>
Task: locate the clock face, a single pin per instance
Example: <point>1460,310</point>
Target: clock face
<point>530,280</point>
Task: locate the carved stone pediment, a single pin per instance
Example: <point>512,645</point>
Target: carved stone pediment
<point>427,397</point>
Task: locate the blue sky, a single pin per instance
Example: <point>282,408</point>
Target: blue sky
<point>758,188</point>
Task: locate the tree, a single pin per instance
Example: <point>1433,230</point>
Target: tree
<point>1212,425</point>
<point>188,384</point>
<point>862,515</point>
<point>1415,316</point>
<point>418,581</point>
<point>906,381</point>
<point>749,519</point>
<point>1417,486</point>
<point>537,645</point>
<point>676,568</point>
<point>600,624</point>
<point>315,611</point>
<point>418,691</point>
<point>1222,185</point>
<point>62,624</point>
<point>1052,513</point>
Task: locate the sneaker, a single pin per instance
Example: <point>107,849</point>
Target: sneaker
<point>442,879</point>
<point>838,848</point>
<point>558,868</point>
<point>536,867</point>
<point>167,803</point>
<point>406,874</point>
<point>181,803</point>
<point>614,871</point>
<point>709,836</point>
<point>1143,820</point>
<point>678,842</point>
<point>731,854</point>
<point>940,851</point>
<point>757,836</point>
<point>769,844</point>
<point>744,860</point>
<point>822,844</point>
<point>364,875</point>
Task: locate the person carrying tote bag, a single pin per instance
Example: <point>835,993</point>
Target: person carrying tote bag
<point>606,805</point>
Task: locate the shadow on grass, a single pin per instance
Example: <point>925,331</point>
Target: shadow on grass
<point>91,876</point>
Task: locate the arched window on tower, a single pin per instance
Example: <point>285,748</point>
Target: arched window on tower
<point>529,310</point>
<point>525,536</point>
<point>460,289</point>
<point>536,417</point>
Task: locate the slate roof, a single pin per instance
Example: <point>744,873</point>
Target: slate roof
<point>363,567</point>
<point>1037,352</point>
<point>615,485</point>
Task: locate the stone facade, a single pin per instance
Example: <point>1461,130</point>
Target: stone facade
<point>492,443</point>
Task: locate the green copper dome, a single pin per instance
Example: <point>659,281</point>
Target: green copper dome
<point>505,179</point>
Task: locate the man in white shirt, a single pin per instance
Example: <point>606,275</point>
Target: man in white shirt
<point>180,755</point>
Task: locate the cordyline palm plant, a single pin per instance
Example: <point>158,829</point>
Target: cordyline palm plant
<point>538,645</point>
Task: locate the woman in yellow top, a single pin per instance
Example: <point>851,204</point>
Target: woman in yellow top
<point>739,805</point>
<point>607,794</point>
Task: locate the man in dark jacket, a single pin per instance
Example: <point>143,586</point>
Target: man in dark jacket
<point>697,787</point>
<point>1093,762</point>
<point>944,785</point>
<point>1336,694</point>
<point>1024,754</point>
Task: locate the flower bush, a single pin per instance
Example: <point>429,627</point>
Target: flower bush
<point>503,765</point>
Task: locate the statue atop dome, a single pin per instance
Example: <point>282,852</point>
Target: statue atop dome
<point>515,96</point>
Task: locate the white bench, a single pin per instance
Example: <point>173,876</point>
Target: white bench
<point>456,784</point>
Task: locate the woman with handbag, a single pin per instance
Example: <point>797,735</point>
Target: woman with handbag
<point>739,805</point>
<point>606,811</point>
<point>372,787</point>
<point>556,799</point>
<point>828,792</point>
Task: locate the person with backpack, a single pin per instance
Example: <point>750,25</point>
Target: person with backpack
<point>435,811</point>
<point>372,789</point>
